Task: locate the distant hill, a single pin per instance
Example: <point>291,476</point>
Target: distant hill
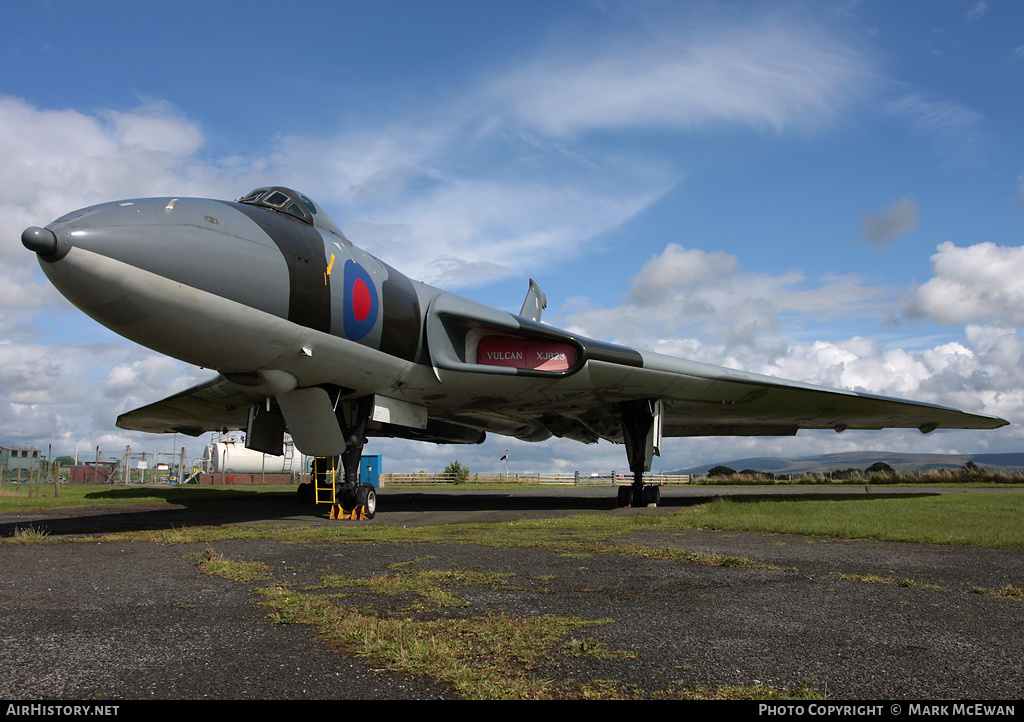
<point>862,460</point>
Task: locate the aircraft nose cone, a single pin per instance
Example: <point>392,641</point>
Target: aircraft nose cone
<point>46,243</point>
<point>40,240</point>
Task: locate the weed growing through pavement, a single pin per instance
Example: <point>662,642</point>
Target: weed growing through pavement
<point>422,621</point>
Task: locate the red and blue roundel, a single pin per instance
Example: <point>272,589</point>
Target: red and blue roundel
<point>361,305</point>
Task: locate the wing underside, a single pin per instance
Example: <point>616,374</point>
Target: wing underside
<point>212,406</point>
<point>219,405</point>
<point>702,406</point>
<point>696,399</point>
<point>701,400</point>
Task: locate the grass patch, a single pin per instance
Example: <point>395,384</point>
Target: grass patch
<point>582,535</point>
<point>867,578</point>
<point>72,495</point>
<point>1013,592</point>
<point>875,579</point>
<point>433,588</point>
<point>991,519</point>
<point>977,519</point>
<point>478,656</point>
<point>744,692</point>
<point>483,657</point>
<point>29,535</point>
<point>490,656</point>
<point>212,563</point>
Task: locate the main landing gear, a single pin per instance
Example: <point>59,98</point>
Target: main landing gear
<point>641,433</point>
<point>340,487</point>
<point>348,501</point>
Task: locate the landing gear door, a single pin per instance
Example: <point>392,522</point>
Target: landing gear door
<point>641,432</point>
<point>654,437</point>
<point>311,422</point>
<point>265,431</point>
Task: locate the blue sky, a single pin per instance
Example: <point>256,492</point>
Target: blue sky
<point>824,191</point>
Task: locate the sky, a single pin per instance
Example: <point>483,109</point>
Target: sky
<point>825,191</point>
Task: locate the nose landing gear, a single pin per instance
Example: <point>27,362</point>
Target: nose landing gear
<point>348,498</point>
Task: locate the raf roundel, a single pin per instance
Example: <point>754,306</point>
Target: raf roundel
<point>361,304</point>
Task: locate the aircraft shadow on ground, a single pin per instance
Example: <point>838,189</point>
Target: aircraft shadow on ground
<point>226,507</point>
<point>241,507</point>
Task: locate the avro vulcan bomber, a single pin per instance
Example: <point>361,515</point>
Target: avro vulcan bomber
<point>310,335</point>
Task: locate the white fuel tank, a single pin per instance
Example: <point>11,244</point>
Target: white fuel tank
<point>227,456</point>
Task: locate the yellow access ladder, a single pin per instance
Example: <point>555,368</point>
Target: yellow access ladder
<point>325,469</point>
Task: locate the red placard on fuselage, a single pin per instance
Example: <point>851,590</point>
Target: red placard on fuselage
<point>532,354</point>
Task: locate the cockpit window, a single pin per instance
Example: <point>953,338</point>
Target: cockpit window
<point>294,204</point>
<point>280,199</point>
<point>249,198</point>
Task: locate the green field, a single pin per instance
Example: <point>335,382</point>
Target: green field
<point>974,518</point>
<point>988,519</point>
<point>24,497</point>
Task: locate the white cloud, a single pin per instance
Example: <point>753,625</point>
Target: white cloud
<point>678,268</point>
<point>423,195</point>
<point>686,293</point>
<point>978,283</point>
<point>507,227</point>
<point>956,128</point>
<point>940,117</point>
<point>769,75</point>
<point>53,157</point>
<point>704,307</point>
<point>66,392</point>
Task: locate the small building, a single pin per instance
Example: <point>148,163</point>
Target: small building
<point>23,458</point>
<point>93,472</point>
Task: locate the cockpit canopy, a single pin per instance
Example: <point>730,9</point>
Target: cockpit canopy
<point>285,200</point>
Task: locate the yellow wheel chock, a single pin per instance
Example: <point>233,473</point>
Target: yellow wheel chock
<point>357,514</point>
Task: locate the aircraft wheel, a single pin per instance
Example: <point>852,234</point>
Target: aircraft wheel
<point>367,498</point>
<point>652,495</point>
<point>622,499</point>
<point>639,496</point>
<point>305,492</point>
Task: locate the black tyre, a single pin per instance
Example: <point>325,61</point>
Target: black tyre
<point>638,497</point>
<point>622,499</point>
<point>366,497</point>
<point>652,495</point>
